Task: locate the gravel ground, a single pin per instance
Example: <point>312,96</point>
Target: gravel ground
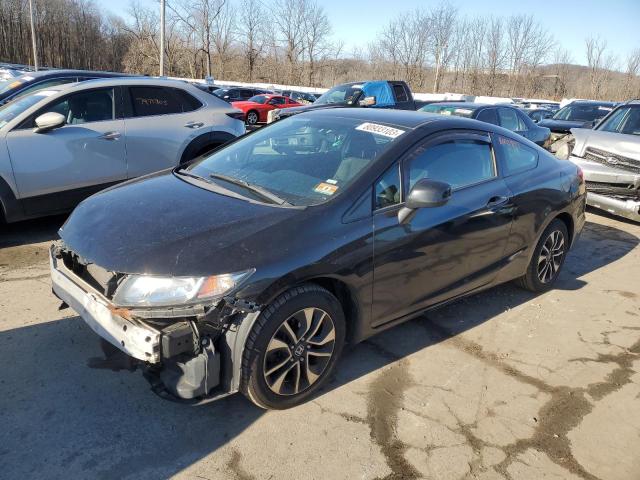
<point>503,385</point>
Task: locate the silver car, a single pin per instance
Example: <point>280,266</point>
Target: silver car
<point>609,156</point>
<point>62,144</point>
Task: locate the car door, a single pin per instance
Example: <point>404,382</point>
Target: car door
<point>445,251</point>
<point>55,170</point>
<point>159,121</point>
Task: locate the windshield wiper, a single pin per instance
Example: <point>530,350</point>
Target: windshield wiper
<point>261,192</point>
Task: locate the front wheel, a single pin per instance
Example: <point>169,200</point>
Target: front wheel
<point>293,347</point>
<point>548,258</point>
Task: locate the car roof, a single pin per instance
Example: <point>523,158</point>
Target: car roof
<point>118,81</point>
<point>402,118</point>
<point>467,105</point>
<point>69,72</point>
<point>593,102</point>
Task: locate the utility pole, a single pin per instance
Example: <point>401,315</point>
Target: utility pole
<point>33,37</point>
<point>162,37</point>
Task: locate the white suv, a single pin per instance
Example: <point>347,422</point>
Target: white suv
<point>60,145</point>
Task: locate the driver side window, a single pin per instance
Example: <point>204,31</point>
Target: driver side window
<point>81,107</point>
<point>458,162</point>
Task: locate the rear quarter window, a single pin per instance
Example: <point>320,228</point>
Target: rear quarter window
<point>516,157</point>
<point>149,101</point>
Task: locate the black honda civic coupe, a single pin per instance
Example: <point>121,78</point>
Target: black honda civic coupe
<point>249,269</point>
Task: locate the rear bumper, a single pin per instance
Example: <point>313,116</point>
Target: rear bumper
<point>133,337</point>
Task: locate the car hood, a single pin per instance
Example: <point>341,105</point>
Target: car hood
<point>561,125</point>
<point>609,142</point>
<point>244,103</point>
<point>163,225</point>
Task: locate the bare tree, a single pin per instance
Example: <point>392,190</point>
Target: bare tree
<point>442,23</point>
<point>251,34</point>
<point>495,52</point>
<point>224,33</point>
<point>631,83</point>
<point>599,62</point>
<point>199,16</point>
<point>404,43</point>
<point>290,30</point>
<point>317,29</point>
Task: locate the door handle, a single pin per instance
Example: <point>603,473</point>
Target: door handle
<point>497,201</point>
<point>110,136</point>
<point>194,124</point>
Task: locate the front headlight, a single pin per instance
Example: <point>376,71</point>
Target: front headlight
<point>152,291</point>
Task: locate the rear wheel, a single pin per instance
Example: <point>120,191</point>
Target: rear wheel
<point>252,117</point>
<point>548,258</point>
<point>293,347</point>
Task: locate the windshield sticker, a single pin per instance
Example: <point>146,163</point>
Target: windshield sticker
<point>331,181</point>
<point>464,111</point>
<point>608,109</point>
<point>383,130</point>
<point>326,188</point>
<point>356,87</point>
<point>28,78</point>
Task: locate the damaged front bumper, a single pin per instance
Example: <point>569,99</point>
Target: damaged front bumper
<point>135,338</point>
<point>613,190</point>
<point>191,353</point>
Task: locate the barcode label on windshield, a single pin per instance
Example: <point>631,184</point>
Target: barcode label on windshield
<point>380,130</point>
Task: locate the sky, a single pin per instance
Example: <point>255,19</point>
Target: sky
<point>570,21</point>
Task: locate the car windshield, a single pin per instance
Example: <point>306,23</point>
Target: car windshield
<point>582,113</point>
<point>447,110</point>
<point>11,110</point>
<point>9,85</point>
<point>624,120</point>
<point>304,161</point>
<point>341,94</point>
<point>258,99</point>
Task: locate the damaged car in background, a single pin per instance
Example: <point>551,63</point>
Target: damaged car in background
<point>248,269</point>
<point>577,114</point>
<point>609,156</point>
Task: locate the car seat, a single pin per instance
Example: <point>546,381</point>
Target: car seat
<point>358,152</point>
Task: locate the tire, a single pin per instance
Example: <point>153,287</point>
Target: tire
<point>293,347</point>
<point>252,117</point>
<point>548,258</point>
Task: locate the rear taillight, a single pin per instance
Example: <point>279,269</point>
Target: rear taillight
<point>236,115</point>
<point>580,175</point>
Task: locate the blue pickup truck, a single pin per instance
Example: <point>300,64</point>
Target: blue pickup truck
<point>376,94</point>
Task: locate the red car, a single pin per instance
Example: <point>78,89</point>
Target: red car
<point>257,107</point>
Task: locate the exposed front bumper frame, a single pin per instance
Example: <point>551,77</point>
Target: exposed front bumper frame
<point>627,208</point>
<point>130,335</point>
<point>624,208</point>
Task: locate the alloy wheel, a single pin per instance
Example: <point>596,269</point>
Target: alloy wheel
<point>252,118</point>
<point>299,351</point>
<point>550,257</point>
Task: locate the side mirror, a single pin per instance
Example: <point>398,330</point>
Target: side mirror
<point>367,102</point>
<point>49,121</point>
<point>425,193</point>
